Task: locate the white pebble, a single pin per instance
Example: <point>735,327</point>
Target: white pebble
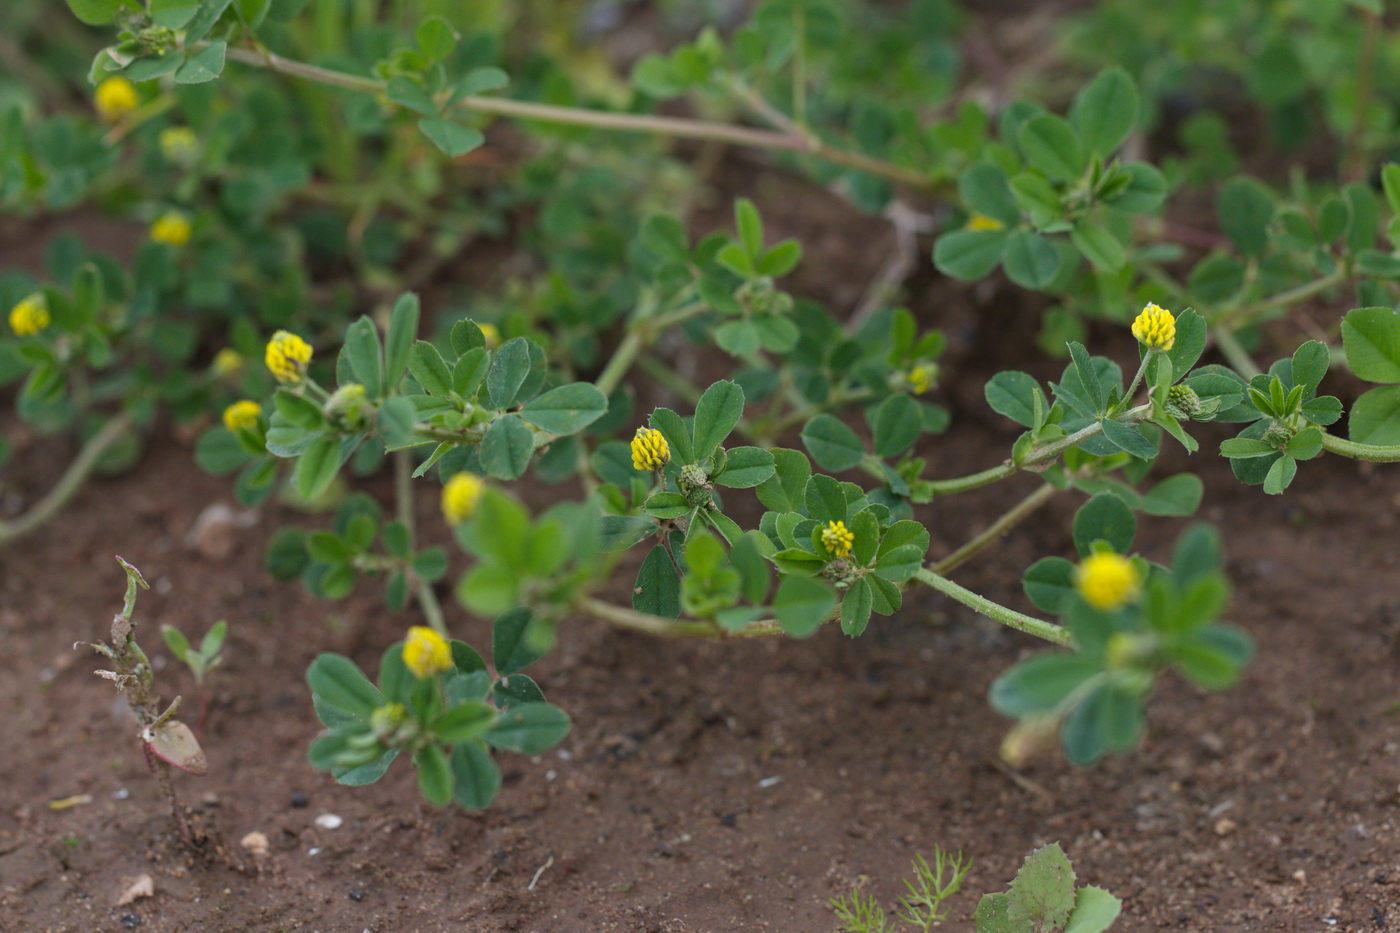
<point>329,821</point>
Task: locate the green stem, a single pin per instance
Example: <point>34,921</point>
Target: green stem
<point>577,116</point>
<point>995,611</point>
<point>1012,517</point>
<point>1370,452</point>
<point>403,502</point>
<point>69,482</point>
<point>1235,353</point>
<point>656,625</point>
<point>1246,314</point>
<point>640,333</point>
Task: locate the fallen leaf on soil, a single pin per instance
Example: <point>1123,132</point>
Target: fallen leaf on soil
<point>135,888</point>
<point>77,800</point>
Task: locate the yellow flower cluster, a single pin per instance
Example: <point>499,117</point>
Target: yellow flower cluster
<point>115,98</point>
<point>287,356</point>
<point>1156,327</point>
<point>1107,580</point>
<point>179,144</point>
<point>837,539</point>
<point>982,222</point>
<point>242,414</point>
<point>30,316</point>
<point>491,332</point>
<point>227,362</point>
<point>650,450</point>
<point>172,228</point>
<point>921,378</point>
<point>460,497</point>
<point>426,653</point>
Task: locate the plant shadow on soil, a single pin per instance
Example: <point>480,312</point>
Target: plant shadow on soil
<point>714,786</point>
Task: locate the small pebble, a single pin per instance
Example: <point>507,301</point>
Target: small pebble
<point>357,894</point>
<point>255,842</point>
<point>121,793</point>
<point>770,781</point>
<point>299,800</point>
<point>1225,826</point>
<point>314,850</point>
<point>329,821</point>
<point>131,921</point>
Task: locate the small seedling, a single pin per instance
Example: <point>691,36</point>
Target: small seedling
<point>165,740</point>
<point>201,661</point>
<point>922,906</point>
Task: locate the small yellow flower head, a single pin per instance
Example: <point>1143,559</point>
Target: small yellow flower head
<point>242,414</point>
<point>172,228</point>
<point>837,539</point>
<point>1107,580</point>
<point>922,377</point>
<point>30,316</point>
<point>460,497</point>
<point>978,221</point>
<point>179,144</point>
<point>650,450</point>
<point>491,332</point>
<point>115,98</point>
<point>227,362</point>
<point>287,356</point>
<point>1156,327</point>
<point>426,653</point>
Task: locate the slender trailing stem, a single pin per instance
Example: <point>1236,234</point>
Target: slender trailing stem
<point>1246,314</point>
<point>1137,380</point>
<point>403,501</point>
<point>577,116</point>
<point>640,334</point>
<point>1010,617</point>
<point>656,625</point>
<point>944,487</point>
<point>68,484</point>
<point>1008,520</point>
<point>1236,354</point>
<point>1371,452</point>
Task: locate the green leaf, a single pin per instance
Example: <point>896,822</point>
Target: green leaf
<point>430,369</point>
<point>802,604</point>
<point>677,435</point>
<point>895,425</point>
<point>745,467</point>
<point>366,355</point>
<point>887,597</point>
<point>781,259</point>
<point>1031,260</point>
<point>856,607</point>
<point>1128,438</point>
<point>1042,893</point>
<point>832,443</point>
<point>1177,495</point>
<point>480,79</point>
<point>98,12</point>
<point>436,38</point>
<point>984,189</point>
<point>1051,145</point>
<point>825,500</point>
<point>1245,210</point>
<point>1106,518</point>
<point>1375,417</point>
<point>338,682</point>
<point>529,728</point>
<point>198,28</point>
<point>1088,376</point>
<point>1390,181</point>
<point>993,915</point>
<point>507,447</point>
<point>204,65</point>
<point>1105,111</point>
<point>1280,475</point>
<point>1189,344</point>
<point>452,138</point>
<point>434,775</point>
<point>716,414</point>
<point>1040,683</point>
<point>567,409</point>
<point>1012,394</point>
<point>1048,583</point>
<point>475,778</point>
<point>317,467</point>
<point>468,372</point>
<point>173,14</point>
<point>511,646</point>
<point>398,344</point>
<point>1094,911</point>
<point>750,227</point>
<point>176,641</point>
<point>464,722</point>
<point>969,254</point>
<point>785,490</point>
<point>1371,339</point>
<point>658,587</point>
<point>509,366</point>
<point>1108,720</point>
<point>1098,245</point>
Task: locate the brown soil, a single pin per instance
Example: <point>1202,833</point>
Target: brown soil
<point>713,786</point>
